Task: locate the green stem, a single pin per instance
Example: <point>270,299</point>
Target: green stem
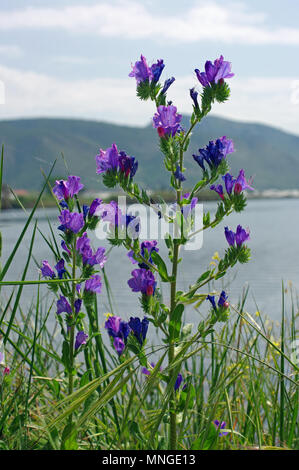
<point>172,401</point>
<point>72,330</point>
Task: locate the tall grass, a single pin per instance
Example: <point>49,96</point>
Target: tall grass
<point>243,373</point>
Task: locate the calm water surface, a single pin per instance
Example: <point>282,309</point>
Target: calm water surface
<point>274,228</point>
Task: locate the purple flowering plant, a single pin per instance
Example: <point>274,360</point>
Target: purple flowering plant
<point>75,278</point>
<point>79,281</point>
<point>212,164</point>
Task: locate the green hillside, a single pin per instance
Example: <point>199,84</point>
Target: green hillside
<point>269,155</point>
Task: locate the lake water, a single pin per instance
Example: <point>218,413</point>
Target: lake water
<point>274,228</point>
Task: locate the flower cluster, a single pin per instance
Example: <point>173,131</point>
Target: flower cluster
<point>214,153</point>
<point>119,331</point>
<point>88,256</point>
<point>233,185</point>
<point>220,425</point>
<point>146,250</point>
<point>214,73</point>
<point>113,161</point>
<point>167,121</point>
<point>221,309</point>
<point>239,237</point>
<point>142,72</point>
<point>142,281</point>
<point>76,249</point>
<point>121,225</point>
<point>67,189</point>
<point>147,79</point>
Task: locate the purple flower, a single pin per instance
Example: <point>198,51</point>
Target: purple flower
<point>241,184</point>
<point>178,382</point>
<point>227,145</point>
<point>146,248</point>
<point>63,306</point>
<point>230,236</point>
<point>143,281</point>
<point>139,328</point>
<point>221,425</point>
<point>110,213</point>
<point>116,327</point>
<point>85,210</point>
<point>241,235</point>
<point>98,257</point>
<point>66,189</point>
<point>222,302</point>
<point>145,371</point>
<point>94,284</point>
<point>83,247</point>
<point>200,160</point>
<point>107,160</point>
<point>119,330</point>
<point>65,248</point>
<point>229,182</point>
<point>119,345</point>
<point>127,164</point>
<point>178,174</point>
<point>167,119</point>
<point>60,268</point>
<point>211,298</point>
<point>156,70</point>
<point>220,70</point>
<point>88,257</point>
<point>194,96</point>
<point>218,189</point>
<point>94,206</point>
<point>77,305</point>
<point>78,288</point>
<point>188,208</point>
<point>72,221</point>
<point>46,270</point>
<point>81,338</point>
<point>142,72</point>
<point>167,84</point>
<point>64,205</point>
<point>133,226</point>
<point>214,153</point>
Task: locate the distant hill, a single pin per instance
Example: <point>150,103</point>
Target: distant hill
<point>269,155</point>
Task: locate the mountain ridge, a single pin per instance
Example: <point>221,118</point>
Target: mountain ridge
<point>269,154</point>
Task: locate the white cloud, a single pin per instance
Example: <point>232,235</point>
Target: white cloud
<point>29,94</point>
<point>215,21</point>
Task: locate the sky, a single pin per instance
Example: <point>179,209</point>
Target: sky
<point>71,58</point>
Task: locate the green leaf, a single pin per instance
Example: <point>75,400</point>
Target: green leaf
<point>161,266</point>
<point>109,179</point>
<point>144,90</point>
<point>208,442</point>
<point>176,321</point>
<point>203,277</point>
<point>69,438</point>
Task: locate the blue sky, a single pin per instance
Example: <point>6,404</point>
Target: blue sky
<point>71,58</point>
